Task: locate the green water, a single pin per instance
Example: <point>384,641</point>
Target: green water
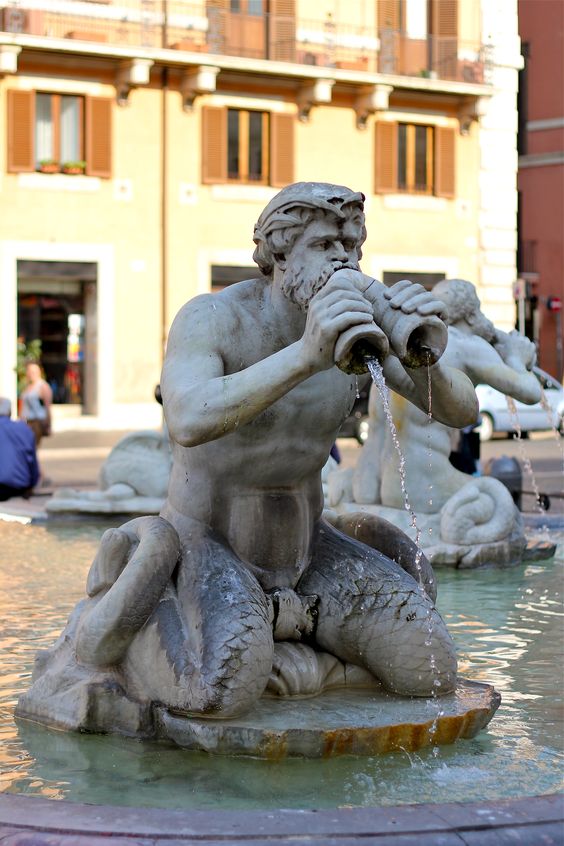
<point>509,629</point>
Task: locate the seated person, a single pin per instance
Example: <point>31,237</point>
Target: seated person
<point>19,470</point>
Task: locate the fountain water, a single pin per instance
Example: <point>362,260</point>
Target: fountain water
<point>550,416</point>
<point>508,627</point>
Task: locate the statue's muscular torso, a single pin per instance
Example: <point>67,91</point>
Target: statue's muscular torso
<point>259,486</point>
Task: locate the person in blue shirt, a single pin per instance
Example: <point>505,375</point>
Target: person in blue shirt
<point>19,470</point>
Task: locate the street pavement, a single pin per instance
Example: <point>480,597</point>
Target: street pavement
<point>74,458</point>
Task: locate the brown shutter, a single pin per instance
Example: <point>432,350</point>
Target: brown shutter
<point>282,30</point>
<point>389,25</point>
<point>388,14</point>
<point>445,141</point>
<point>386,159</point>
<point>444,28</point>
<point>217,13</point>
<point>281,149</point>
<point>99,136</point>
<point>21,121</point>
<point>214,144</point>
<point>444,18</point>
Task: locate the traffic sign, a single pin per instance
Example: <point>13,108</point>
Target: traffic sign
<point>554,304</point>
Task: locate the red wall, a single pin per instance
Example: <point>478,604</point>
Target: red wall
<point>541,27</point>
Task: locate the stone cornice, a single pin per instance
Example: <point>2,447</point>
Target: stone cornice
<point>265,68</point>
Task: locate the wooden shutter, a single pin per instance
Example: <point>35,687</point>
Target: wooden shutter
<point>217,13</point>
<point>214,144</point>
<point>99,136</point>
<point>386,158</point>
<point>389,25</point>
<point>282,30</point>
<point>21,122</point>
<point>389,14</point>
<point>444,28</point>
<point>445,141</point>
<point>444,18</point>
<point>281,149</point>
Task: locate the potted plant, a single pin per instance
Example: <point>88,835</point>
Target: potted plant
<point>74,167</point>
<point>49,166</point>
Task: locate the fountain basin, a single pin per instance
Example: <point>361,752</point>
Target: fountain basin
<point>527,823</point>
<point>507,626</point>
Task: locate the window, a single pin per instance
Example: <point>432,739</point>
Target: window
<point>414,159</point>
<point>250,7</point>
<point>428,280</point>
<point>523,101</point>
<point>55,132</point>
<point>224,275</point>
<point>59,129</point>
<point>247,146</point>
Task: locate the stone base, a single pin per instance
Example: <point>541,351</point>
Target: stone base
<point>502,553</point>
<point>78,502</point>
<point>340,722</point>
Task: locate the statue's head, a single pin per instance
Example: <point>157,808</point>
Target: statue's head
<point>309,230</point>
<point>463,306</point>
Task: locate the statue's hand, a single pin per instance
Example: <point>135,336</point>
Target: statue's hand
<point>334,309</point>
<point>515,348</point>
<point>412,297</point>
<point>292,615</point>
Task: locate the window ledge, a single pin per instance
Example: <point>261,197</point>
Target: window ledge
<point>59,182</point>
<point>414,202</point>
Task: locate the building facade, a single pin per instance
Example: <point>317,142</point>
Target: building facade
<point>541,179</point>
<point>142,138</point>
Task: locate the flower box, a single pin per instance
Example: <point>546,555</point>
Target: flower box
<point>49,167</point>
<point>73,167</point>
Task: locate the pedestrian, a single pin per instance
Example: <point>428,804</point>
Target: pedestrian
<point>36,398</point>
<point>19,470</point>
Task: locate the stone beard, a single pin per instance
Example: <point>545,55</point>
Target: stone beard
<point>300,285</point>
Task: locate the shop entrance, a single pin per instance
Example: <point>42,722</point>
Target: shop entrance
<point>57,306</point>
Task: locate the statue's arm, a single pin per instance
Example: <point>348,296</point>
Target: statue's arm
<point>507,367</point>
<point>453,399</point>
<point>202,402</point>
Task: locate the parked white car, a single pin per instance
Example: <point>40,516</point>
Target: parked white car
<point>496,417</point>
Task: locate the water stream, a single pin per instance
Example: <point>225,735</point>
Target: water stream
<point>377,373</point>
<point>550,415</point>
<point>516,423</point>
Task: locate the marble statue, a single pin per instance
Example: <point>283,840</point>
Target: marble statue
<point>240,587</point>
<point>464,521</point>
<point>132,480</point>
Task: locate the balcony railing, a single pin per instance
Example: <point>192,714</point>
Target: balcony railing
<point>207,27</point>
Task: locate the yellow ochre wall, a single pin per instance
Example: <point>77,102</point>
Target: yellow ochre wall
<point>213,224</point>
<point>131,227</point>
